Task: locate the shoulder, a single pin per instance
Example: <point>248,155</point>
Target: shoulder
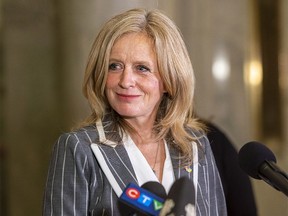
<point>200,137</point>
<point>82,137</point>
<point>87,135</point>
<point>204,146</point>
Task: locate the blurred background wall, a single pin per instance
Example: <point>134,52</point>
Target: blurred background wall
<point>239,50</point>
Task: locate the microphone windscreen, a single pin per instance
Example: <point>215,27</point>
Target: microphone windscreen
<point>252,155</point>
<point>180,199</point>
<point>135,199</point>
<point>156,188</point>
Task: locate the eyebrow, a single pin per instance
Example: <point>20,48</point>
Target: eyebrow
<point>144,63</point>
<point>136,62</point>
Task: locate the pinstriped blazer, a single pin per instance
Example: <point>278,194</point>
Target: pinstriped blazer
<point>76,184</point>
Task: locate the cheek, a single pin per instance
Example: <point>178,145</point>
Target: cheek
<point>110,82</point>
<point>157,85</point>
<point>155,89</point>
<point>109,85</point>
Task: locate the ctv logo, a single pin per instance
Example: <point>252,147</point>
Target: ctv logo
<point>143,199</point>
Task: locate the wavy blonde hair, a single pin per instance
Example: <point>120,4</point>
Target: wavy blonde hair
<point>175,115</point>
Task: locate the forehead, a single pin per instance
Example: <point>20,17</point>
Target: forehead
<point>135,47</point>
<point>134,40</point>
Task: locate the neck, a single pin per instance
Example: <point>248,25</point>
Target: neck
<point>143,126</point>
<point>144,137</point>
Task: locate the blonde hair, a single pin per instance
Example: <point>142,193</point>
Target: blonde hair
<point>175,115</point>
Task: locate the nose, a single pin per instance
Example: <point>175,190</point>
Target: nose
<point>127,78</point>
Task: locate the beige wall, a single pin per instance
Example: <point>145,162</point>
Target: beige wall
<point>43,53</point>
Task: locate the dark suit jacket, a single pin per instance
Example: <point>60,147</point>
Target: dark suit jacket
<point>237,186</point>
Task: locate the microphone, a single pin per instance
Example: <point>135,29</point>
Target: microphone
<point>180,199</point>
<point>156,188</point>
<point>137,200</point>
<point>259,162</point>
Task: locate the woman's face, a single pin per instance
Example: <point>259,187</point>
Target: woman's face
<point>134,88</point>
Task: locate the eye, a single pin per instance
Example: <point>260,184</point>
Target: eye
<point>143,68</point>
<point>115,66</point>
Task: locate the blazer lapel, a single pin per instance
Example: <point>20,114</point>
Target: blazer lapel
<point>114,153</point>
<point>119,164</point>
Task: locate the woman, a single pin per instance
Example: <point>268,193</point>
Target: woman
<point>139,83</point>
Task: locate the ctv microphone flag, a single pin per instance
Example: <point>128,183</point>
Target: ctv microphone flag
<point>142,200</point>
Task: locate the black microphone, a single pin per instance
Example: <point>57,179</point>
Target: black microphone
<point>156,188</point>
<point>145,200</point>
<point>259,162</point>
<point>180,199</point>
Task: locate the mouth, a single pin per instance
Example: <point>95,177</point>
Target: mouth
<point>127,96</point>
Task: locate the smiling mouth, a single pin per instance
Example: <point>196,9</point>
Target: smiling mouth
<point>127,97</point>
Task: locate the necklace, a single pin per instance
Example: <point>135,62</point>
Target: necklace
<point>153,168</point>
